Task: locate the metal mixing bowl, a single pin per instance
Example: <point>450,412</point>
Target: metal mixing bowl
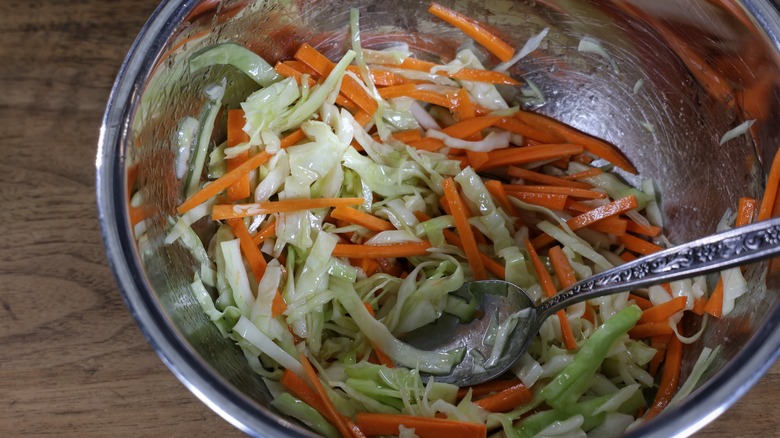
<point>669,127</point>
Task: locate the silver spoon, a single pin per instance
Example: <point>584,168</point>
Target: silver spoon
<point>498,299</point>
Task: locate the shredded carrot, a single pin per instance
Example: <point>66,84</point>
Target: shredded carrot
<point>487,388</point>
<point>252,253</point>
<point>388,424</point>
<point>745,211</point>
<point>660,344</point>
<point>278,305</point>
<point>714,304</point>
<point>633,243</point>
<point>409,249</point>
<point>472,28</point>
<point>561,266</point>
<point>477,159</point>
<point>236,136</point>
<point>596,146</point>
<point>698,306</point>
<point>288,71</point>
<point>496,190</point>
<point>302,391</point>
<point>267,231</point>
<point>407,136</point>
<point>542,178</point>
<point>669,379</point>
<point>592,217</point>
<point>429,144</point>
<point>514,125</point>
<point>507,399</point>
<point>549,200</point>
<point>381,78</point>
<point>549,289</point>
<point>363,219</point>
<point>463,109</point>
<point>643,229</point>
<point>642,302</point>
<point>522,155</point>
<point>461,215</point>
<point>314,59</point>
<point>468,127</point>
<point>233,211</point>
<point>650,329</point>
<point>663,311</point>
<point>584,174</point>
<point>466,74</point>
<point>292,138</point>
<point>568,191</point>
<point>344,425</point>
<point>223,182</point>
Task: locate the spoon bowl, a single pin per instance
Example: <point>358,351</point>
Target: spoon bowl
<point>506,318</point>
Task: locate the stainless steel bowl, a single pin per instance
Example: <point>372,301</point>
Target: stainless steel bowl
<point>705,68</point>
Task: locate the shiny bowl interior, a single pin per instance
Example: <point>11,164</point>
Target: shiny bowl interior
<point>682,73</point>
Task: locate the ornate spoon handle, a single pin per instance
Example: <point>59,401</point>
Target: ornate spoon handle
<point>720,251</point>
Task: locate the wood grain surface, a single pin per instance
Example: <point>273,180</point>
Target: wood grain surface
<point>72,361</point>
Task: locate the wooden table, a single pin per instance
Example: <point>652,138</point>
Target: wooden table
<point>72,361</point>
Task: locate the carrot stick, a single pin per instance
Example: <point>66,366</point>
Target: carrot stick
<point>397,91</point>
<point>429,144</point>
<point>314,59</point>
<point>345,426</point>
<point>236,136</point>
<point>663,311</point>
<point>507,399</point>
<point>223,182</point>
<point>541,178</point>
<point>232,211</point>
<point>468,127</point>
<point>558,190</point>
<point>288,71</point>
<point>460,214</point>
<point>714,304</point>
<point>278,305</point>
<point>643,303</point>
<point>548,200</point>
<point>584,174</point>
<point>698,306</point>
<point>496,190</point>
<point>472,28</point>
<point>596,146</point>
<point>301,390</point>
<point>650,329</point>
<point>382,78</point>
<point>646,230</point>
<point>660,343</point>
<point>529,154</point>
<point>745,211</point>
<point>268,231</point>
<point>463,109</point>
<point>669,379</point>
<point>363,219</point>
<point>633,243</point>
<point>477,159</point>
<point>514,125</point>
<point>292,138</point>
<point>357,94</point>
<point>407,136</point>
<point>549,289</point>
<point>488,387</point>
<point>252,253</point>
<point>387,424</point>
<point>409,249</point>
<point>769,199</point>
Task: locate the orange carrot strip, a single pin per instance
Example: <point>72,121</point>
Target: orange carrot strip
<point>529,154</point>
<point>477,159</point>
<point>236,136</point>
<point>561,267</point>
<point>429,144</point>
<point>486,76</point>
<point>302,391</point>
<point>460,214</point>
<point>745,211</point>
<point>345,426</point>
<point>669,379</point>
<point>627,256</point>
<point>660,343</point>
<point>292,138</point>
<point>646,230</point>
<point>663,311</point>
<point>643,303</point>
<point>409,249</point>
<point>464,109</point>
<point>468,127</point>
<point>496,190</point>
<point>507,399</point>
<point>301,67</point>
<point>698,306</point>
<point>541,178</point>
<point>252,253</point>
<point>223,182</point>
<point>596,146</point>
<point>769,199</point>
<point>633,243</point>
<point>314,59</point>
<point>268,231</point>
<point>407,136</point>
<point>584,174</point>
<point>381,78</point>
<point>361,218</point>
<point>550,200</point>
<point>472,28</point>
<point>714,304</point>
<point>388,424</point>
<point>488,387</point>
<point>232,211</point>
<point>650,329</point>
<point>396,91</point>
<point>356,93</point>
<point>549,289</point>
<point>514,125</point>
<point>288,71</point>
<point>568,191</point>
<point>278,306</point>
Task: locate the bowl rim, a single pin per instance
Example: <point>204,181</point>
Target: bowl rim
<point>693,413</point>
